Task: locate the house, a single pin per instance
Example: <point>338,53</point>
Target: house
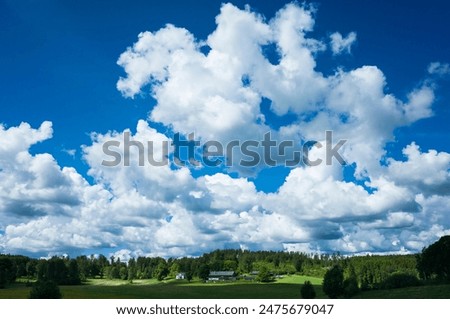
<point>181,275</point>
<point>221,276</point>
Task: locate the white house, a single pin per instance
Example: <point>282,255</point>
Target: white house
<point>180,275</point>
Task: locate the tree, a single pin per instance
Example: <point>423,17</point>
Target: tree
<point>161,271</point>
<point>350,283</point>
<point>73,273</point>
<point>298,263</point>
<point>189,275</point>
<point>131,270</point>
<point>333,282</point>
<point>45,289</point>
<point>230,265</point>
<point>350,287</point>
<point>53,269</point>
<point>84,267</point>
<point>30,268</point>
<point>174,269</point>
<point>203,272</point>
<point>7,272</point>
<point>435,260</point>
<point>307,291</point>
<point>102,262</point>
<point>264,275</point>
<point>400,280</point>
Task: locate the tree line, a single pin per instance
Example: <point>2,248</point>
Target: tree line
<point>348,277</point>
<point>354,273</point>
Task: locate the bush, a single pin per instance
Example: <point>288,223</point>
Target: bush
<point>400,280</point>
<point>307,291</point>
<point>333,282</point>
<point>45,290</point>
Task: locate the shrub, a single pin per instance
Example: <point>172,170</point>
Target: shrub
<point>307,291</point>
<point>45,290</point>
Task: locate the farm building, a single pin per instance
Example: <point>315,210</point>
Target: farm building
<point>221,276</point>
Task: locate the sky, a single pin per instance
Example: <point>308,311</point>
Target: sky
<point>78,74</point>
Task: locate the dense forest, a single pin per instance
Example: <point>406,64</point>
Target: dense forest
<point>357,272</point>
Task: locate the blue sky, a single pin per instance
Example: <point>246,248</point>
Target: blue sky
<point>59,63</point>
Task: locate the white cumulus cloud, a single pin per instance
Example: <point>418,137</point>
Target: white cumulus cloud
<point>137,208</point>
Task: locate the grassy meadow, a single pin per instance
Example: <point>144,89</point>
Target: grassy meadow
<point>284,288</point>
<point>287,287</point>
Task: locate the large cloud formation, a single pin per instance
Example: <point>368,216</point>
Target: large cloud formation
<point>215,88</point>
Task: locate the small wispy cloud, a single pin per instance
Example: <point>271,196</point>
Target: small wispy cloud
<point>340,44</point>
<point>70,152</point>
<point>438,68</point>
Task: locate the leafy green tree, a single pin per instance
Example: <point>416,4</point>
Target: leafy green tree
<point>307,291</point>
<point>131,270</point>
<point>400,280</point>
<point>102,262</point>
<point>245,262</point>
<point>55,270</point>
<point>203,272</point>
<point>112,272</point>
<point>84,267</point>
<point>45,289</point>
<point>350,283</point>
<point>174,269</point>
<point>123,272</point>
<point>333,282</point>
<point>73,273</point>
<point>7,271</point>
<point>264,275</point>
<point>30,268</point>
<point>189,275</point>
<point>298,263</point>
<point>161,270</point>
<point>230,265</point>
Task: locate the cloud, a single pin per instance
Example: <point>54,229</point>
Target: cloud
<point>388,205</point>
<point>70,152</point>
<point>218,95</point>
<point>32,185</point>
<point>438,68</point>
<point>340,44</point>
<point>426,173</point>
<point>42,204</point>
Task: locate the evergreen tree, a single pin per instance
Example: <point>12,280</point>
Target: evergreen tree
<point>333,282</point>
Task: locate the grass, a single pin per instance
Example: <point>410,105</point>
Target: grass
<point>284,288</point>
<point>287,287</point>
<point>420,292</point>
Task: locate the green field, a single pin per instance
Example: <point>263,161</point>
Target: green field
<point>287,287</point>
<point>421,292</point>
<point>284,288</point>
